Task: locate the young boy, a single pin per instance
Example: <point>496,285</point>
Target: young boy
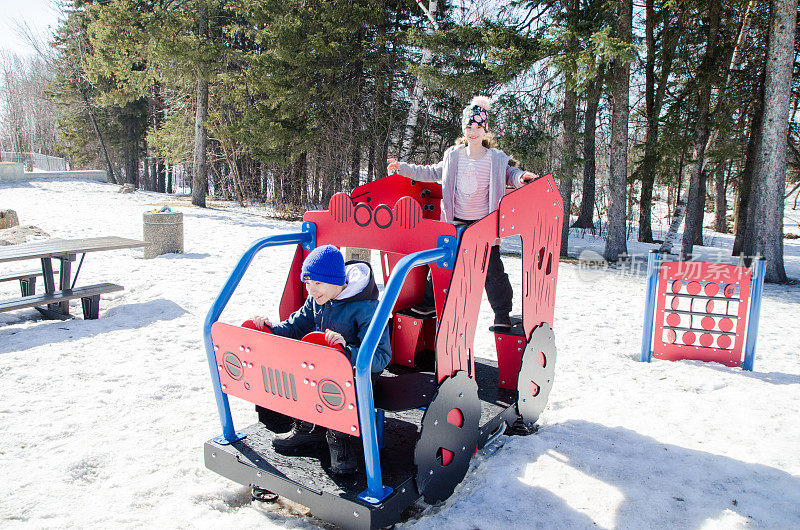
<point>341,301</point>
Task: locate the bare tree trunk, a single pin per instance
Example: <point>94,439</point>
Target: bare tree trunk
<point>589,168</point>
<point>700,137</point>
<point>355,166</point>
<point>748,188</point>
<point>616,242</point>
<point>371,162</point>
<point>300,179</point>
<point>701,209</point>
<point>131,150</point>
<point>720,200</point>
<point>200,177</point>
<point>162,173</point>
<point>109,167</point>
<point>568,162</point>
<point>677,217</point>
<point>654,99</point>
<point>770,164</point>
<point>382,103</point>
<point>148,183</point>
<point>407,139</point>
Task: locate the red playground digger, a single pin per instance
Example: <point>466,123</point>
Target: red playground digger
<point>439,400</point>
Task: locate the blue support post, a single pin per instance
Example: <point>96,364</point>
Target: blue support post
<point>307,238</point>
<point>444,253</point>
<point>756,290</point>
<point>653,266</point>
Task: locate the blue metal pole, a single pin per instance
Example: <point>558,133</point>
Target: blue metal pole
<point>756,290</point>
<point>376,491</point>
<point>653,266</point>
<point>307,237</point>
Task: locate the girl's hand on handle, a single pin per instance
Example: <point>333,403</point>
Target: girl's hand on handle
<point>262,322</point>
<point>393,166</point>
<point>334,339</point>
<point>528,177</point>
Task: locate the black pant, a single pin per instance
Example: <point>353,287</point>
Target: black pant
<point>498,286</point>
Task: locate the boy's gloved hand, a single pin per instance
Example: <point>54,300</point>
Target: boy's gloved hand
<point>334,339</point>
<point>262,322</point>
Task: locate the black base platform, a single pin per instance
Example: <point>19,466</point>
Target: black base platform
<point>305,478</point>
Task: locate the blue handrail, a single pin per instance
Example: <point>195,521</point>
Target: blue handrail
<point>653,266</point>
<point>376,491</point>
<point>756,290</point>
<point>308,239</point>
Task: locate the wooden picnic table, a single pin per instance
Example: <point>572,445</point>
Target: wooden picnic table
<point>65,251</point>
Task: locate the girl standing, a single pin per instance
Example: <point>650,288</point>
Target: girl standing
<point>474,175</point>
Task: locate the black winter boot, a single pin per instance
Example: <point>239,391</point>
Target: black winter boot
<point>302,434</point>
<point>343,455</point>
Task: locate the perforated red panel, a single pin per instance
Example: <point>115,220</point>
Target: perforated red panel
<point>701,312</point>
<point>454,339</point>
<point>535,212</point>
<point>300,379</point>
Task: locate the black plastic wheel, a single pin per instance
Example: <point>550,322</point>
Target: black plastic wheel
<point>536,374</point>
<point>448,437</point>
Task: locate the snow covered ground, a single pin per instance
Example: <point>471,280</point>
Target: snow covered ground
<point>103,421</point>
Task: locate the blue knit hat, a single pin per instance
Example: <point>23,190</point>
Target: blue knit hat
<point>324,264</point>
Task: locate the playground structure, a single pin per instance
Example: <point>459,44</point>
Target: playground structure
<point>723,327</point>
<point>439,401</point>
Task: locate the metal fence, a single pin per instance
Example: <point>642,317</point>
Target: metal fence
<point>39,161</point>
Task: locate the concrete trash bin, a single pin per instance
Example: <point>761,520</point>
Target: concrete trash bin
<point>164,232</point>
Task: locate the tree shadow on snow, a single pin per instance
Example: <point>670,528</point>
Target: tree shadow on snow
<point>127,316</point>
<point>654,485</point>
<point>775,378</point>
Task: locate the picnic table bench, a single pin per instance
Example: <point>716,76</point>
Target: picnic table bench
<point>65,251</point>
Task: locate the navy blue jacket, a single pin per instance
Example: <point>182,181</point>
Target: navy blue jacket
<point>350,315</point>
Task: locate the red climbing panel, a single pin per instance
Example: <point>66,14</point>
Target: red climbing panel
<point>535,212</point>
<point>701,312</point>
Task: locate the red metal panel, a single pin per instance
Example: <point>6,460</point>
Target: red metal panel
<point>534,212</point>
<point>410,336</point>
<point>294,293</point>
<point>300,379</point>
<point>399,230</point>
<point>458,322</point>
<point>387,190</point>
<point>413,288</point>
<point>701,312</point>
<point>509,358</point>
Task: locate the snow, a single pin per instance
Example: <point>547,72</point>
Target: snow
<point>103,421</point>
